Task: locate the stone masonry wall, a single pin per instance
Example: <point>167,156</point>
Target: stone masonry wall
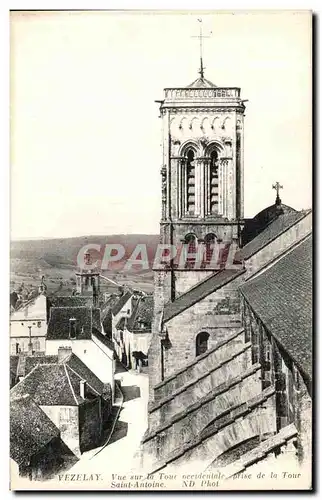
<point>218,314</point>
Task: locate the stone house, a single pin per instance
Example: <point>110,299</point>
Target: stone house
<point>36,449</point>
<point>122,308</point>
<point>73,398</point>
<point>133,334</point>
<point>80,328</point>
<point>28,327</point>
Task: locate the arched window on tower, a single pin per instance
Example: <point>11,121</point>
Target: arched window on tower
<point>213,182</point>
<point>210,240</point>
<point>202,343</point>
<point>191,249</point>
<point>190,183</point>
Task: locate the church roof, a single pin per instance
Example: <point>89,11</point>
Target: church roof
<point>258,223</point>
<point>282,299</point>
<point>274,229</point>
<point>200,291</point>
<point>201,83</point>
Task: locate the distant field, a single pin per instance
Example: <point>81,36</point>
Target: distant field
<point>57,260</point>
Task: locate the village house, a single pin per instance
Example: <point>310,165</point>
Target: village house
<point>133,334</point>
<point>28,327</point>
<point>80,328</point>
<point>36,449</point>
<point>71,396</point>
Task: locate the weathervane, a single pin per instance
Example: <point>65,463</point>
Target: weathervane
<point>201,36</point>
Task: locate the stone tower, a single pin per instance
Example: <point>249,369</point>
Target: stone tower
<point>88,281</point>
<point>202,176</point>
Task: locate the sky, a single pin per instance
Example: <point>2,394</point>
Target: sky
<point>85,129</point>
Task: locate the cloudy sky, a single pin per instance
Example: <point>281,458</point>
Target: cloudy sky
<point>85,132</point>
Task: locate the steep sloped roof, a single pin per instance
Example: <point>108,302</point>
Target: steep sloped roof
<point>32,361</point>
<point>59,383</point>
<point>71,301</point>
<point>121,302</point>
<point>14,360</point>
<point>282,298</point>
<point>278,226</point>
<point>30,429</point>
<point>47,385</point>
<point>104,339</point>
<point>200,291</point>
<point>58,326</point>
<point>143,316</point>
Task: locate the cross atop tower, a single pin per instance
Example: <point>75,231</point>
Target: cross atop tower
<point>277,186</point>
<point>201,36</point>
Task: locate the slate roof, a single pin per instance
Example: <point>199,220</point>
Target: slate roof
<point>271,232</point>
<point>59,383</point>
<point>282,299</point>
<point>58,326</point>
<point>104,339</point>
<point>118,306</point>
<point>32,361</point>
<point>14,360</point>
<point>30,429</point>
<point>142,315</point>
<point>71,301</point>
<point>200,291</point>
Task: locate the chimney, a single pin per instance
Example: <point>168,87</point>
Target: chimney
<point>72,328</point>
<point>63,353</point>
<point>82,388</point>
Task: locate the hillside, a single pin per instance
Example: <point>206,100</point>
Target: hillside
<point>56,259</point>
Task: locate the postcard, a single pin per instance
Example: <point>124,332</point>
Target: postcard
<point>161,250</point>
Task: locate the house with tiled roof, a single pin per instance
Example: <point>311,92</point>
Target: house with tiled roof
<point>28,326</point>
<point>132,335</point>
<point>71,395</point>
<point>36,449</point>
<point>80,328</point>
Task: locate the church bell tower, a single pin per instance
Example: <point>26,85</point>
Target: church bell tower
<point>202,173</point>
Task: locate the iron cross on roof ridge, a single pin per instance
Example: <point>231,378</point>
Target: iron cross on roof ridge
<point>277,186</point>
<point>201,36</point>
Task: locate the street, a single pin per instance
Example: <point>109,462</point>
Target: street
<point>117,456</point>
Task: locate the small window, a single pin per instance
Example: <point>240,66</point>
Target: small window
<point>39,324</point>
<point>202,343</point>
<point>22,324</point>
